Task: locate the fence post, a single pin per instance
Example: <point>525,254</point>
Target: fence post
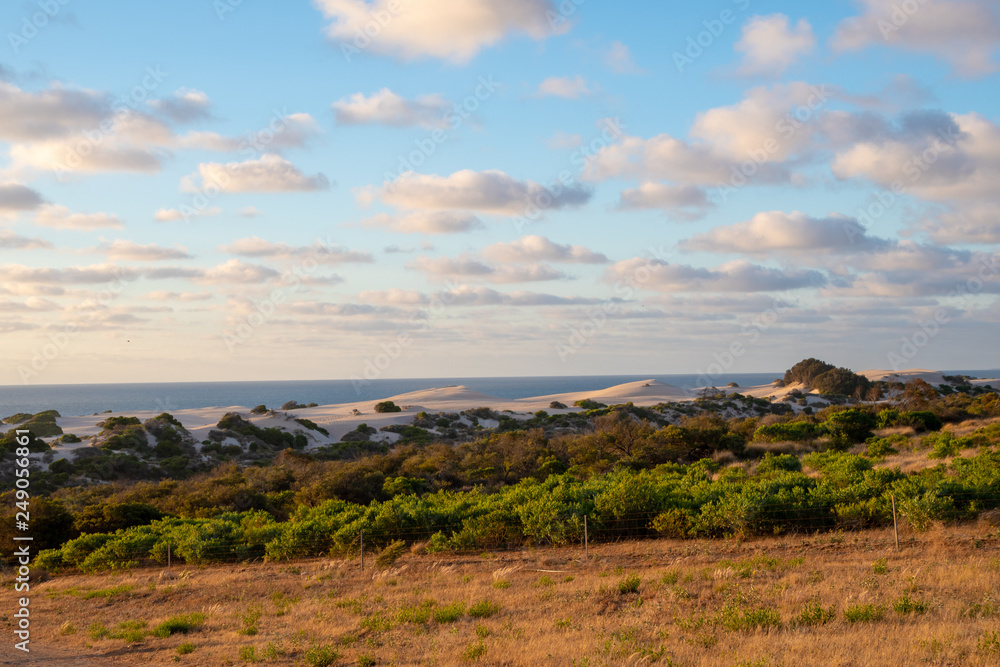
<point>362,549</point>
<point>586,538</point>
<point>168,555</point>
<point>895,525</point>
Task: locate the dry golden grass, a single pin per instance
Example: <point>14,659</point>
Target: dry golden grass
<point>699,602</point>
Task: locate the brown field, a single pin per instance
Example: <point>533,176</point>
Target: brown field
<point>699,602</point>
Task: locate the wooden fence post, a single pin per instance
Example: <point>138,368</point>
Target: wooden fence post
<point>362,549</point>
<point>586,538</point>
<point>895,524</point>
<point>168,555</point>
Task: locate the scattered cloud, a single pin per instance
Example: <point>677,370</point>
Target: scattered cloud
<point>683,202</point>
<point>467,267</point>
<point>490,191</point>
<point>173,214</point>
<point>455,31</point>
<point>60,217</point>
<point>269,173</point>
<point>963,33</point>
<point>18,197</point>
<point>564,141</point>
<point>771,233</point>
<point>735,276</point>
<point>426,222</point>
<point>387,108</point>
<point>122,250</point>
<point>163,295</point>
<point>770,44</point>
<point>570,88</point>
<point>11,241</point>
<point>185,106</point>
<point>618,58</point>
<point>540,249</point>
<point>248,212</point>
<point>321,253</point>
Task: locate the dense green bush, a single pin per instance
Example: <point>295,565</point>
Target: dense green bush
<point>387,406</point>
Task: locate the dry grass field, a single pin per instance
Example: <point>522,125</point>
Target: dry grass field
<point>831,599</point>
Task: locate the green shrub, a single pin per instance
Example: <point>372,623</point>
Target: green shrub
<point>185,648</point>
<point>181,624</point>
<point>814,614</point>
<point>312,426</point>
<point>321,656</point>
<point>907,605</point>
<point>864,613</point>
<point>630,584</point>
<point>484,608</point>
<point>390,554</point>
<point>449,613</point>
<point>387,406</point>
<point>787,432</point>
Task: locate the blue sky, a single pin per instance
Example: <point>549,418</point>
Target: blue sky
<point>204,190</point>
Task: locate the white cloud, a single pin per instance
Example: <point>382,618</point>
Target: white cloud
<point>237,271</point>
<point>269,173</point>
<point>426,222</point>
<point>963,33</point>
<point>540,249</point>
<point>387,108</point>
<point>570,88</point>
<point>619,59</point>
<point>684,202</point>
<point>163,295</point>
<point>467,267</point>
<point>770,45</point>
<point>394,297</point>
<point>186,105</point>
<point>454,31</point>
<point>772,233</point>
<point>173,214</point>
<point>324,254</point>
<point>977,222</point>
<point>490,191</point>
<point>468,295</point>
<point>60,217</point>
<point>95,273</point>
<point>736,276</point>
<point>11,241</point>
<point>248,212</point>
<point>122,250</point>
<point>18,197</point>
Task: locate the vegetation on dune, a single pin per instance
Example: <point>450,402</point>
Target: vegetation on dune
<point>723,465</point>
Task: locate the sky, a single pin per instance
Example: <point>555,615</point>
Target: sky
<point>230,190</point>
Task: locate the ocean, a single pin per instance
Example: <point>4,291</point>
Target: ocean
<point>86,399</point>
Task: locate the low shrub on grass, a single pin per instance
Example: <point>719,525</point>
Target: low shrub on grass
<point>484,609</point>
<point>907,605</point>
<point>185,648</point>
<point>814,614</point>
<point>449,613</point>
<point>629,584</point>
<point>180,624</point>
<point>864,613</point>
<point>321,656</point>
<point>474,651</point>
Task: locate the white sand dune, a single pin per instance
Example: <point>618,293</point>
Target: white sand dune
<point>339,419</point>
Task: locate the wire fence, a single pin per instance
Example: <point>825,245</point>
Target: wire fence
<point>365,539</point>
